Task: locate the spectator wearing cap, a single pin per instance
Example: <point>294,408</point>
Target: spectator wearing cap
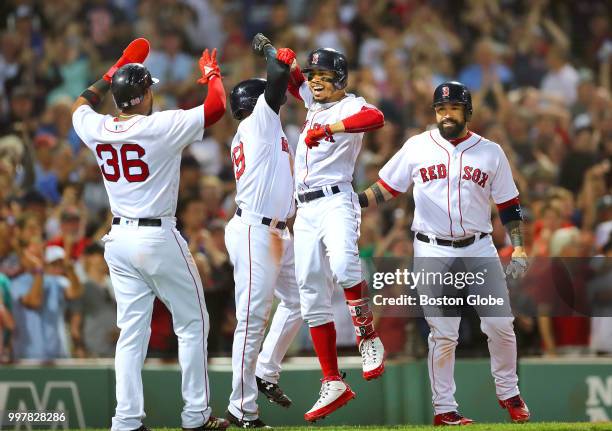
<point>47,181</point>
<point>71,235</point>
<point>34,203</point>
<point>39,301</point>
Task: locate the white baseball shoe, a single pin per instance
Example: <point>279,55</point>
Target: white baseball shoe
<point>334,394</point>
<point>372,357</point>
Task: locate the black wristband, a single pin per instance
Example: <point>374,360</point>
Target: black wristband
<point>363,200</point>
<point>101,85</point>
<point>93,99</point>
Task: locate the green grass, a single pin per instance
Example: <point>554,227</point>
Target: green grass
<point>545,426</point>
<point>535,426</point>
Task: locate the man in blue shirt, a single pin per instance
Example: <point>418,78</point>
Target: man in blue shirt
<point>39,300</point>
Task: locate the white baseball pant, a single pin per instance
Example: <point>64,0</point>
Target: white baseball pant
<point>145,262</point>
<point>260,273</point>
<point>444,330</point>
<point>326,234</point>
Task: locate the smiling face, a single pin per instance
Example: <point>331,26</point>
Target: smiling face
<point>451,120</point>
<point>321,84</point>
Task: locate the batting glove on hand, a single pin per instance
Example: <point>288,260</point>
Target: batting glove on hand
<point>136,52</point>
<point>318,132</point>
<point>517,267</point>
<point>286,56</point>
<point>208,66</point>
<point>259,43</point>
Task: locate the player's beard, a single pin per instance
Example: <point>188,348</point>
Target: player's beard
<point>451,131</point>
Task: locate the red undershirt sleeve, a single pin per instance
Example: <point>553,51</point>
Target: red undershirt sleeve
<point>367,119</point>
<point>214,105</point>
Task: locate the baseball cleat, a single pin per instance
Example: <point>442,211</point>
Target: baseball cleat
<point>451,419</point>
<point>142,428</point>
<point>335,393</point>
<point>519,412</point>
<point>273,392</point>
<point>213,423</point>
<point>372,357</point>
<point>244,423</point>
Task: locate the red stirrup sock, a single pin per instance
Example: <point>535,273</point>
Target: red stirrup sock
<point>324,341</point>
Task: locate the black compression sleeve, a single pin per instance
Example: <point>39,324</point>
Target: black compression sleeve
<point>277,79</point>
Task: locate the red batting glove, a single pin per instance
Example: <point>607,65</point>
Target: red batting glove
<point>136,52</point>
<point>315,134</point>
<point>285,55</point>
<point>208,66</point>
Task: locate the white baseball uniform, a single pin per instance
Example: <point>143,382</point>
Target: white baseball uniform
<point>453,186</point>
<point>262,255</point>
<point>327,229</point>
<point>147,257</point>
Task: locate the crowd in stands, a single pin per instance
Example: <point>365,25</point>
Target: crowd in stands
<point>540,75</point>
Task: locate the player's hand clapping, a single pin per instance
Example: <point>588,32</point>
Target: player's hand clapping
<point>208,66</point>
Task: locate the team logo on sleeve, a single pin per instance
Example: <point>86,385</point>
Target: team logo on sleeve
<point>284,145</point>
<point>445,92</point>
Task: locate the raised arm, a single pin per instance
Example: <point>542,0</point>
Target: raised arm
<point>136,52</point>
<point>214,104</point>
<point>277,72</point>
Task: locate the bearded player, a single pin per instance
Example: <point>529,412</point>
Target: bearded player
<point>455,173</point>
<point>328,217</point>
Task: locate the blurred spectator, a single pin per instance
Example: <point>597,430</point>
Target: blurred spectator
<point>486,67</point>
<point>39,302</point>
<point>171,65</point>
<point>94,315</point>
<point>562,79</point>
<point>540,73</point>
<point>558,287</point>
<point>72,233</point>
<point>600,295</point>
<point>7,323</point>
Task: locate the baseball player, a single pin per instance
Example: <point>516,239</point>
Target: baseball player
<point>139,154</point>
<point>258,241</point>
<point>328,217</point>
<point>455,173</point>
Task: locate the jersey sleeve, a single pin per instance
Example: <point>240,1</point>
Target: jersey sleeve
<point>83,120</point>
<point>180,128</point>
<point>397,172</point>
<point>354,106</point>
<point>306,95</point>
<point>503,187</point>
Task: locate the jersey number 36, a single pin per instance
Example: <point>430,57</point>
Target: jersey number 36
<point>135,170</point>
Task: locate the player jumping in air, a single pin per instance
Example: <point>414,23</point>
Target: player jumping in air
<point>328,218</point>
